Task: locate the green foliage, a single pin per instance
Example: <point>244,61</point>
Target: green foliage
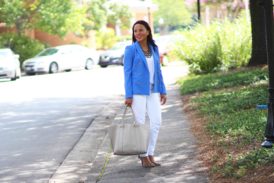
<point>236,43</point>
<point>199,83</point>
<point>173,14</point>
<point>227,102</point>
<point>229,105</point>
<point>22,45</point>
<point>239,166</point>
<point>119,14</point>
<point>201,49</point>
<point>105,39</point>
<point>96,15</point>
<point>11,11</point>
<point>219,46</point>
<point>52,16</point>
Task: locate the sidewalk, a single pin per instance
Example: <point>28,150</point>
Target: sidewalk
<point>176,151</point>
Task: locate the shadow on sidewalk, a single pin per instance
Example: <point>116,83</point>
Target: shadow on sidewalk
<point>176,151</point>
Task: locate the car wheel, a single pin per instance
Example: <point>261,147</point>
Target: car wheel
<point>18,74</point>
<point>14,77</point>
<point>103,66</point>
<point>53,68</point>
<point>30,73</point>
<point>122,60</point>
<point>89,64</point>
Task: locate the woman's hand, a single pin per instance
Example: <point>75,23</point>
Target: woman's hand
<point>128,102</point>
<point>163,99</point>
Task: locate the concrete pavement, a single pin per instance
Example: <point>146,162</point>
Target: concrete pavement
<point>91,160</point>
<point>176,151</point>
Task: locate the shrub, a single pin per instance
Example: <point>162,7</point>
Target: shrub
<point>201,49</point>
<point>219,46</point>
<point>22,45</point>
<point>236,43</point>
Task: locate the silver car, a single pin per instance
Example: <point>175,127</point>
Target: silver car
<point>9,64</point>
<point>115,55</point>
<point>61,58</point>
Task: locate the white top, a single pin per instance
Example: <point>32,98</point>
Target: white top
<point>150,64</point>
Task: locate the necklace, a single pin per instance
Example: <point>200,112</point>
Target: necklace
<point>147,53</point>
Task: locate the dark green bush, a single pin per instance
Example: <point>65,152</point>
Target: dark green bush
<point>22,45</point>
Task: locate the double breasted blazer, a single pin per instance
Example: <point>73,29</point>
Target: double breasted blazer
<point>136,72</point>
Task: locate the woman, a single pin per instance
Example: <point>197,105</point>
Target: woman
<point>144,86</point>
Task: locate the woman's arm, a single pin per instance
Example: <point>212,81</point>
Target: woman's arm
<point>128,62</point>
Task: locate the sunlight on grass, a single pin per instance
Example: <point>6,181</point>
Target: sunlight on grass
<point>228,101</point>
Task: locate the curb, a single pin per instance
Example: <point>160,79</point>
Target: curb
<point>78,163</point>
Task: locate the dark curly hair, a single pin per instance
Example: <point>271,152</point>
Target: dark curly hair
<point>149,37</point>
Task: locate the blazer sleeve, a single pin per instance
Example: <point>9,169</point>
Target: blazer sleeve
<point>128,63</point>
<point>162,84</point>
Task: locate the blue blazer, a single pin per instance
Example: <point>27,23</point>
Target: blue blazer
<point>136,72</point>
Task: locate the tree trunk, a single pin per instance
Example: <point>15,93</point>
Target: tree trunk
<point>258,54</point>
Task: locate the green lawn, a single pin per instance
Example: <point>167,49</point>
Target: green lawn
<point>228,101</point>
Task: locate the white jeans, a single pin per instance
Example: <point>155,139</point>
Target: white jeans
<point>151,106</point>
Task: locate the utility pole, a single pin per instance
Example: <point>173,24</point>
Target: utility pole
<point>199,10</point>
<point>267,6</point>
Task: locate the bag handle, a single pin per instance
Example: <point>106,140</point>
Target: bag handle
<point>124,114</point>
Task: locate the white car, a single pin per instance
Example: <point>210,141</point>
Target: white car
<point>9,64</point>
<point>61,58</point>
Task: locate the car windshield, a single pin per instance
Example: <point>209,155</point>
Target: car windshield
<point>47,52</point>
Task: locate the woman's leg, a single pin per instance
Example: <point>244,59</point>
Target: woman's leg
<point>155,117</point>
<point>139,109</point>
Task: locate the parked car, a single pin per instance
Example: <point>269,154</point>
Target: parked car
<point>9,64</point>
<point>115,55</point>
<point>61,58</point>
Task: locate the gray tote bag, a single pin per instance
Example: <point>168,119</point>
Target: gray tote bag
<point>128,138</point>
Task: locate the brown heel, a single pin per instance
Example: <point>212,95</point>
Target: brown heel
<point>146,162</point>
<point>151,158</point>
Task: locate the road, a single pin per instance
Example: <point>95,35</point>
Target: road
<point>42,117</point>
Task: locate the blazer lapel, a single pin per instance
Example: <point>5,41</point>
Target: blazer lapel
<point>140,52</point>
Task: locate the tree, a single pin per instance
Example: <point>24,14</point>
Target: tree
<point>100,13</point>
<point>171,14</point>
<point>96,15</point>
<point>119,14</point>
<point>52,16</point>
<point>258,55</point>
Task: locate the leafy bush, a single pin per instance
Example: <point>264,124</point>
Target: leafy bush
<point>22,45</point>
<point>236,43</point>
<point>201,49</point>
<point>219,46</point>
